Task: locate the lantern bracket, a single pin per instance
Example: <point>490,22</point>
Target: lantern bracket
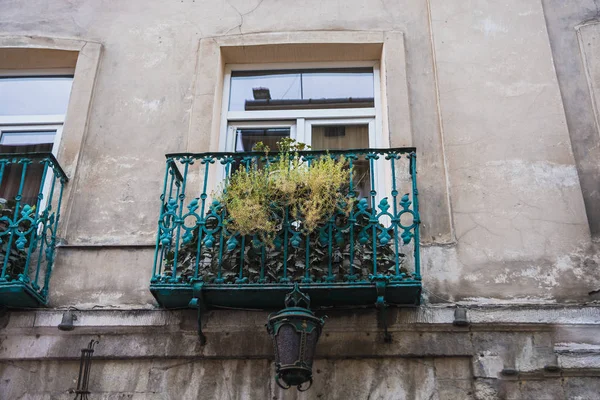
<point>198,303</point>
<point>381,282</point>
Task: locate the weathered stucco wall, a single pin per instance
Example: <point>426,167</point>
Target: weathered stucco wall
<point>146,86</point>
<point>485,113</point>
<point>571,53</point>
<point>156,355</point>
<point>498,97</point>
<point>518,213</point>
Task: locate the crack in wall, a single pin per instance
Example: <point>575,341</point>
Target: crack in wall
<point>239,26</point>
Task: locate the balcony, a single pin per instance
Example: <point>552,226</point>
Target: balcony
<point>369,256</point>
<point>31,186</point>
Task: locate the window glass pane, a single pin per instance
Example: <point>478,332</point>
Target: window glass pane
<point>34,95</point>
<point>301,89</point>
<point>11,178</point>
<point>337,85</point>
<point>20,138</point>
<point>341,137</point>
<point>262,85</point>
<point>246,138</point>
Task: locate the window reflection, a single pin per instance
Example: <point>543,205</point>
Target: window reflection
<point>301,89</point>
<point>34,95</point>
<point>279,86</point>
<point>336,85</point>
<point>246,138</point>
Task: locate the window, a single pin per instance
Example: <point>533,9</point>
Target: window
<point>32,113</point>
<point>301,89</point>
<point>327,106</point>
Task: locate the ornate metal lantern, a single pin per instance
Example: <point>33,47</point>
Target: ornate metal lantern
<point>295,331</point>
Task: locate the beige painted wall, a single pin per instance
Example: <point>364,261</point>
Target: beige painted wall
<point>484,110</point>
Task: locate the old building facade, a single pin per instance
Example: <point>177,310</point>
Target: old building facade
<point>500,100</point>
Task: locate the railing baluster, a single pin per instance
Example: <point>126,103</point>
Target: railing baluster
<point>263,256</point>
<point>44,239</point>
<point>241,278</point>
<point>417,222</point>
<point>178,222</point>
<point>373,220</point>
<point>50,249</point>
<point>307,278</point>
<point>395,221</point>
<point>220,259</point>
<point>330,277</point>
<point>286,228</point>
<point>156,269</point>
<point>14,225</point>
<point>201,222</point>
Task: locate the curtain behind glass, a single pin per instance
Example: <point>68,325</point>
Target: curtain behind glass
<point>346,137</point>
<point>11,178</point>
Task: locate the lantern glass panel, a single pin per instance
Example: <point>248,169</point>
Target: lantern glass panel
<point>288,344</point>
<point>311,345</point>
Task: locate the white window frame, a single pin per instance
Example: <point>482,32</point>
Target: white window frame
<point>308,124</point>
<point>57,128</point>
<point>37,122</point>
<point>228,118</point>
<point>234,126</point>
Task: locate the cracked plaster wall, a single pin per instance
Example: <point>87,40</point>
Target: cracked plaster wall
<point>483,71</point>
<point>241,379</point>
<point>521,228</point>
<point>155,354</point>
<point>517,210</point>
<point>574,58</point>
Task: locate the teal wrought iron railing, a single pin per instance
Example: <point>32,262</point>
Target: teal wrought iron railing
<point>31,189</point>
<point>369,256</point>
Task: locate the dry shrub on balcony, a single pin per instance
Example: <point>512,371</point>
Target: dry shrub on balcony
<point>257,199</point>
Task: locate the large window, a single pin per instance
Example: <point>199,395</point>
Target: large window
<point>329,107</point>
<point>32,113</point>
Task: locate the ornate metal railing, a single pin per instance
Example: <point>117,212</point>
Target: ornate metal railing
<point>31,189</point>
<point>369,255</point>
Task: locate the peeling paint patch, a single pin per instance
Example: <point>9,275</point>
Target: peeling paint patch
<point>518,88</point>
<point>152,60</point>
<point>490,28</point>
<point>149,105</point>
<point>540,174</point>
<point>577,347</point>
<point>516,300</point>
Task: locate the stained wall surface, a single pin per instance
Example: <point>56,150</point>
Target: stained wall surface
<point>501,101</point>
<point>502,205</point>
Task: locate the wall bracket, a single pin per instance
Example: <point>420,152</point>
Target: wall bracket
<point>381,282</point>
<point>197,302</point>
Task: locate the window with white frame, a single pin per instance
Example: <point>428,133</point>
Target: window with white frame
<point>32,112</point>
<point>327,106</point>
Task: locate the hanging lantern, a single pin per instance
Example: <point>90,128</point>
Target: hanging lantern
<point>295,331</point>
